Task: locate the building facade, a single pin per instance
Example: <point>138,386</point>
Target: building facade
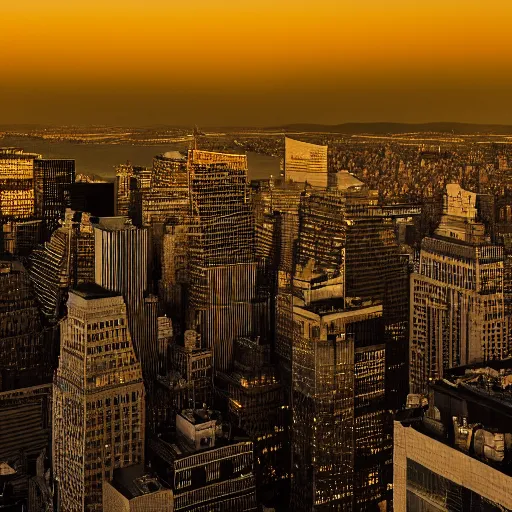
<point>52,190</point>
<point>457,296</point>
<point>99,402</point>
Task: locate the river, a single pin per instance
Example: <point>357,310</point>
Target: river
<point>100,159</point>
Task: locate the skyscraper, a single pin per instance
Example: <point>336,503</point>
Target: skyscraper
<point>24,359</point>
<point>16,192</point>
<point>98,403</point>
<point>67,259</point>
<point>347,259</point>
<point>170,171</point>
<point>52,188</point>
<point>16,184</point>
<point>457,297</point>
<point>224,297</point>
<point>121,265</point>
<point>129,180</point>
<point>220,198</point>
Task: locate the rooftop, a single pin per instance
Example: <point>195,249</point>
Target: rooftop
<point>114,223</point>
<point>134,481</point>
<point>469,410</point>
<point>173,155</point>
<point>6,470</point>
<point>346,180</point>
<point>90,291</point>
<point>198,416</point>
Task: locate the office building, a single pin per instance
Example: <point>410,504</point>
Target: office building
<point>25,418</point>
<point>170,171</point>
<point>52,182</point>
<point>121,265</point>
<point>453,447</point>
<point>305,163</point>
<point>194,364</point>
<point>206,470</point>
<point>256,405</point>
<point>20,238</point>
<point>457,296</point>
<point>25,359</point>
<point>340,438</point>
<point>223,294</point>
<point>67,259</point>
<point>166,202</point>
<point>129,180</point>
<point>220,199</point>
<point>16,184</point>
<point>176,266</point>
<point>98,403</point>
<point>347,357</point>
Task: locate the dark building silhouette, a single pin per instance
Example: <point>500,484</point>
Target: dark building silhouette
<point>98,199</point>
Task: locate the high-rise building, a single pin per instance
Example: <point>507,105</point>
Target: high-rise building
<point>170,171</point>
<point>194,364</point>
<point>121,265</point>
<point>25,420</point>
<point>98,404</point>
<point>166,202</point>
<point>305,163</point>
<point>220,199</point>
<point>452,448</point>
<point>224,297</point>
<point>67,259</point>
<point>129,180</point>
<point>52,182</point>
<point>457,296</point>
<point>176,267</point>
<point>256,404</point>
<point>25,360</point>
<point>16,184</point>
<point>16,193</point>
<point>339,441</point>
<point>20,238</point>
<point>347,354</point>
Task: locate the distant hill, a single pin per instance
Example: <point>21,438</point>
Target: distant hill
<point>383,128</point>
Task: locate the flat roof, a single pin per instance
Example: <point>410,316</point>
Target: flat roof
<point>89,291</point>
<point>134,481</point>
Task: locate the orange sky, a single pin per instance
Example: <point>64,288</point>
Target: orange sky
<point>255,62</point>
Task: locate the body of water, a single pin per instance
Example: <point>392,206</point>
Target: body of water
<point>100,159</point>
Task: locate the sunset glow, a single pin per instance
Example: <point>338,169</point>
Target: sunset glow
<point>362,58</point>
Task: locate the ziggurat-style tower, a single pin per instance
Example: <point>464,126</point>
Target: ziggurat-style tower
<point>98,398</point>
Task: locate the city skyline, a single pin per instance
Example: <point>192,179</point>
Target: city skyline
<point>255,256</point>
<point>254,63</point>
